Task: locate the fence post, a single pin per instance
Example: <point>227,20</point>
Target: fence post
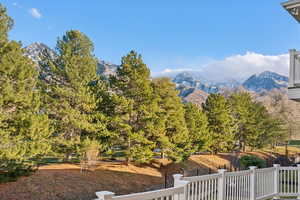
<point>177,179</point>
<point>166,178</point>
<point>276,181</point>
<point>179,182</point>
<point>105,195</point>
<point>221,184</point>
<point>298,181</point>
<point>253,183</point>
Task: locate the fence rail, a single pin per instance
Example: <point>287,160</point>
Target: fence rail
<point>252,184</point>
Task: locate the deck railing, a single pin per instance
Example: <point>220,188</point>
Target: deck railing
<point>252,184</point>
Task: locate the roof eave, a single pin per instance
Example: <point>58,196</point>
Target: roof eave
<point>293,7</point>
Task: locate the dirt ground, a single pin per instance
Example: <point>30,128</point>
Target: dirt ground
<point>66,182</point>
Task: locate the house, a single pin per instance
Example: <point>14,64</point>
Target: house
<point>293,7</point>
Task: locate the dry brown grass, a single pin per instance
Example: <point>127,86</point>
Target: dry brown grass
<point>65,182</point>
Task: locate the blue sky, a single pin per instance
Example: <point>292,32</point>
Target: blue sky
<point>170,34</point>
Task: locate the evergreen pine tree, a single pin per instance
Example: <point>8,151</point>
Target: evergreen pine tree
<point>73,102</point>
<point>24,128</point>
<point>173,139</point>
<point>197,124</point>
<point>267,128</point>
<point>221,123</point>
<point>256,128</point>
<point>245,117</point>
<point>6,24</point>
<point>135,110</point>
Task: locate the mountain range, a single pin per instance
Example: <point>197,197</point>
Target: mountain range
<point>36,51</point>
<point>192,86</point>
<point>195,89</point>
<point>258,83</point>
<point>269,88</point>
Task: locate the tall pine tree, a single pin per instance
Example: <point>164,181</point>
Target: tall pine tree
<point>24,128</point>
<point>256,128</point>
<point>6,23</point>
<point>197,124</point>
<point>136,113</point>
<point>173,138</point>
<point>267,128</point>
<point>245,117</point>
<point>72,97</point>
<point>221,123</point>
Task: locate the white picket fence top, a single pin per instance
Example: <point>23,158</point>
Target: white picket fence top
<point>252,184</point>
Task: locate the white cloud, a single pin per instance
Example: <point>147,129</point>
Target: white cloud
<point>166,71</point>
<point>239,67</point>
<point>170,72</point>
<point>35,13</point>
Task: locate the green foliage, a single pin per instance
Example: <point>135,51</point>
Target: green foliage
<point>78,113</point>
<point>268,129</point>
<point>74,106</point>
<point>239,121</point>
<point>220,122</point>
<point>197,124</point>
<point>250,117</point>
<point>6,24</point>
<point>294,142</point>
<point>251,160</point>
<point>135,111</point>
<point>172,135</point>
<point>24,128</point>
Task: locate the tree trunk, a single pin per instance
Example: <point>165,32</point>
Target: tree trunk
<point>286,150</point>
<point>127,161</point>
<point>244,147</point>
<point>241,145</point>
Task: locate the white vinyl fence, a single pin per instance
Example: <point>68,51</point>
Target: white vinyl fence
<point>252,184</point>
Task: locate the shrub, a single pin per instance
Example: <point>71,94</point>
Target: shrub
<point>250,160</point>
<point>10,170</point>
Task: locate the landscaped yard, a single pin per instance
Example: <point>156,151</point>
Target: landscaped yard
<point>65,181</point>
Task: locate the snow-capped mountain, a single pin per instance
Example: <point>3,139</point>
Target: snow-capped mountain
<point>195,89</point>
<point>189,79</point>
<point>37,50</point>
<point>106,68</point>
<point>187,82</point>
<point>265,81</point>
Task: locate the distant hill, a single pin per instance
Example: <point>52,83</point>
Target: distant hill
<point>190,84</point>
<point>267,87</point>
<point>37,50</point>
<point>193,87</point>
<point>106,68</point>
<point>266,81</point>
<point>190,80</point>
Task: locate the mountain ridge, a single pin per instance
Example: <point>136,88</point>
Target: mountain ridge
<point>190,85</point>
<point>264,81</point>
<point>37,50</point>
